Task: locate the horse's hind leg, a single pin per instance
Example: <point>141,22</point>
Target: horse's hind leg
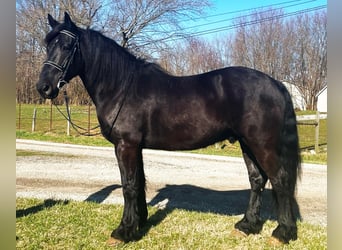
<point>133,184</point>
<point>283,191</point>
<point>251,222</point>
<point>283,180</point>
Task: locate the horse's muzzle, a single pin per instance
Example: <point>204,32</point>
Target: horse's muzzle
<point>47,91</point>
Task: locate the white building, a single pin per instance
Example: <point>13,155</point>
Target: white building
<point>322,98</point>
<point>297,98</point>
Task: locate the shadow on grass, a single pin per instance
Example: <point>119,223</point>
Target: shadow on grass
<point>198,199</point>
<point>101,195</point>
<point>193,198</point>
<point>35,209</point>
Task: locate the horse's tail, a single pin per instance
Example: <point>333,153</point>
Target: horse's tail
<point>290,158</point>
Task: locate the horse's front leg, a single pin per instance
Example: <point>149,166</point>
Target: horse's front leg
<point>133,184</point>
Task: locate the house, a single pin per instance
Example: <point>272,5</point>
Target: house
<point>322,98</point>
<point>297,98</point>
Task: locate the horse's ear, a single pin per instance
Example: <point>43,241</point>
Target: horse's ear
<point>68,21</point>
<point>53,23</point>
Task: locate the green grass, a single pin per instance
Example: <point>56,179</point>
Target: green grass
<point>62,138</point>
<point>52,224</point>
<point>57,132</point>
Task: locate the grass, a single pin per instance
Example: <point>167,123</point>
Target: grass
<point>57,132</point>
<point>53,224</point>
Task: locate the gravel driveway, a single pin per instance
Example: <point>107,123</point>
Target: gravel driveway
<point>204,183</point>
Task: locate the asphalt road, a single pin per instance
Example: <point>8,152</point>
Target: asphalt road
<point>176,180</point>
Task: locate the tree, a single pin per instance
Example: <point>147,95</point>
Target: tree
<point>292,50</point>
<point>193,56</point>
<point>258,42</point>
<point>310,56</point>
<point>31,28</point>
<point>144,26</point>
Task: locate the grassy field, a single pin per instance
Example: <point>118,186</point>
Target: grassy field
<point>53,224</point>
<point>51,126</point>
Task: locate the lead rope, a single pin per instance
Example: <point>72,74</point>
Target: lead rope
<point>76,127</point>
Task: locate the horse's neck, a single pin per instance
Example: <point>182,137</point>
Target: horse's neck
<point>101,77</point>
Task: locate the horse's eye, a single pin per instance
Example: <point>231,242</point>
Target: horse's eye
<point>52,44</point>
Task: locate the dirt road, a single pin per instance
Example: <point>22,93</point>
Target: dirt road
<point>177,180</point>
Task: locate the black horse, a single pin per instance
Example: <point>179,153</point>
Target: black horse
<point>139,105</point>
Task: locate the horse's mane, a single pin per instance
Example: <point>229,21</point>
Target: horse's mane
<point>115,62</point>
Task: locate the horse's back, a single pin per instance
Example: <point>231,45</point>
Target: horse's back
<point>196,111</point>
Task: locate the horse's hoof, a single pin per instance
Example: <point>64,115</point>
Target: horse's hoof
<point>112,242</point>
<point>275,242</point>
<point>238,234</point>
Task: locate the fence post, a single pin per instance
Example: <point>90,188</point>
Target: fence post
<point>89,118</point>
<point>34,119</point>
<point>19,121</point>
<point>68,123</point>
<point>317,133</point>
<point>50,116</point>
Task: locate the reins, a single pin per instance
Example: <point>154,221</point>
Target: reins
<point>87,131</point>
<point>77,128</point>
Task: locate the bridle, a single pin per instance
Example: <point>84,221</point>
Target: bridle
<point>63,68</point>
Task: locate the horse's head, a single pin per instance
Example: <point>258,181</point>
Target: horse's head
<point>62,61</point>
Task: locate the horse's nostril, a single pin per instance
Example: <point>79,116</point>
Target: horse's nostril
<point>46,88</point>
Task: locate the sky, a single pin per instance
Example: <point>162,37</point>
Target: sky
<point>218,17</point>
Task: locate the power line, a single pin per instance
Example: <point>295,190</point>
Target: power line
<point>233,18</point>
<point>205,32</point>
<point>234,26</point>
<point>244,10</point>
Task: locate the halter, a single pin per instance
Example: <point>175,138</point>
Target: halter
<point>63,68</point>
<point>61,82</point>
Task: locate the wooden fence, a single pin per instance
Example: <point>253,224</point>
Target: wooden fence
<point>52,119</point>
<point>47,119</point>
<point>313,121</point>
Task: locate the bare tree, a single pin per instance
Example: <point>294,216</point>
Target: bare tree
<point>31,28</point>
<point>258,42</point>
<point>193,56</point>
<point>29,46</point>
<point>202,57</point>
<point>310,55</point>
<point>293,50</point>
<point>145,25</point>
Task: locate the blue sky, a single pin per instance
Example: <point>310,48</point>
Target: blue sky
<point>222,11</point>
<point>224,5</point>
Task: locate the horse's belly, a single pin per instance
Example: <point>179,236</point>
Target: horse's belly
<point>185,138</point>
